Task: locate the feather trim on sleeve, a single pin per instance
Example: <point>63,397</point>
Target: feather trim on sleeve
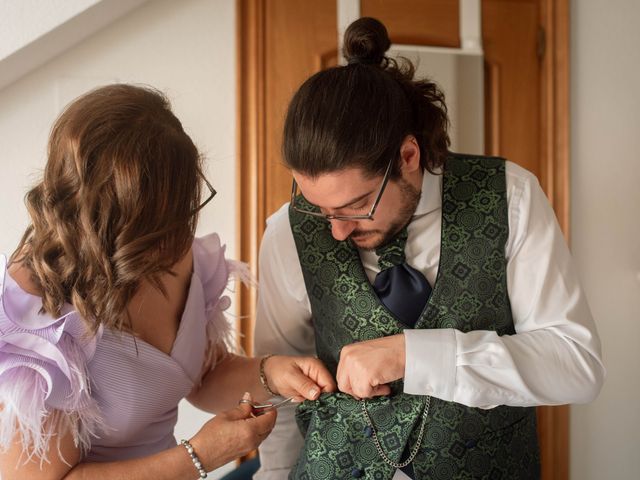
<point>219,273</point>
<point>44,383</point>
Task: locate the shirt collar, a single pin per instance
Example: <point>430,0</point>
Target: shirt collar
<point>431,194</point>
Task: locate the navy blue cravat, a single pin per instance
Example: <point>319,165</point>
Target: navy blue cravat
<point>400,287</point>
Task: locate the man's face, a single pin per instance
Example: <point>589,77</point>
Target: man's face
<point>351,192</point>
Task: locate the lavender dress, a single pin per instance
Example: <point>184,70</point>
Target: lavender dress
<point>119,397</point>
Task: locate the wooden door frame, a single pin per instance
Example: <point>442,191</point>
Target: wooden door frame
<point>250,151</point>
<point>553,422</point>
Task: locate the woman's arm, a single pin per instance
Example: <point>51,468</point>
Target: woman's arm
<point>223,438</point>
<point>289,376</point>
<point>61,457</point>
<point>169,464</point>
<point>223,385</point>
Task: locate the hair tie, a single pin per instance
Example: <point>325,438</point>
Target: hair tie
<point>362,61</point>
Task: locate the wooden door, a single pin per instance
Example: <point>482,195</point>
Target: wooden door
<point>525,42</point>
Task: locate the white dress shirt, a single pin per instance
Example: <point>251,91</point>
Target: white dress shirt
<point>554,357</point>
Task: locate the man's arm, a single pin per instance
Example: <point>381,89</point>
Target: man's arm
<point>283,326</point>
<point>554,357</point>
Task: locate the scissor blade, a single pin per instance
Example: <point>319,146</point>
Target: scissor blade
<point>260,409</point>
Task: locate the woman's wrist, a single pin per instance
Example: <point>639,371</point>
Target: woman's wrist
<point>209,460</point>
<point>195,459</point>
<point>264,380</point>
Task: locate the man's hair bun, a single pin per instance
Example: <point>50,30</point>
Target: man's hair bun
<point>365,42</point>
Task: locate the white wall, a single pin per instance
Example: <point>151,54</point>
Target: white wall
<point>34,31</point>
<point>186,49</point>
<point>25,21</point>
<point>605,144</point>
<point>461,78</point>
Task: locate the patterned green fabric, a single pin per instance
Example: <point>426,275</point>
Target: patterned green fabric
<point>392,253</point>
<point>470,293</point>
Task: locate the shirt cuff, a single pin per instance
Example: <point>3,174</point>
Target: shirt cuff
<point>430,362</point>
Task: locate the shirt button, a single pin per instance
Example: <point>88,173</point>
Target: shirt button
<point>356,473</point>
<point>368,431</point>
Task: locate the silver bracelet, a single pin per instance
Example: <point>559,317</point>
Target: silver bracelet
<point>263,377</point>
<point>194,458</point>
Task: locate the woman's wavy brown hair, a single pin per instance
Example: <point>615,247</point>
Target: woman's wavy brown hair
<point>117,203</point>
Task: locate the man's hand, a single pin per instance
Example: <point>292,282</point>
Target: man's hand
<point>366,368</point>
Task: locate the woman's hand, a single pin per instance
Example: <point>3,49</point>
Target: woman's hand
<point>302,378</point>
<point>231,434</point>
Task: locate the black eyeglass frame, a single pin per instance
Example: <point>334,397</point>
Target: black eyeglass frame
<point>212,194</point>
<point>345,218</point>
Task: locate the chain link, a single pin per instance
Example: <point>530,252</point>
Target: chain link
<point>416,447</point>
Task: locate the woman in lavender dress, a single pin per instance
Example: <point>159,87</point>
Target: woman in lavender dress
<point>111,312</point>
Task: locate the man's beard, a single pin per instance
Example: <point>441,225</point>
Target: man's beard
<point>409,201</point>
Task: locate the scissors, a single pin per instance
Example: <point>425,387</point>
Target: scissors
<point>258,409</point>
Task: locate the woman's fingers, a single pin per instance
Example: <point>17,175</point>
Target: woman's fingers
<point>302,378</point>
<point>303,385</point>
<point>263,424</point>
<point>316,377</point>
<point>319,373</point>
<point>243,410</point>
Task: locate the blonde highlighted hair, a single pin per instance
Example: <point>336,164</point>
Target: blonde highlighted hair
<point>117,203</point>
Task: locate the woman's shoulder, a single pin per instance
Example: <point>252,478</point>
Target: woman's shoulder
<point>42,364</point>
<point>214,269</point>
<point>210,264</point>
<point>21,309</point>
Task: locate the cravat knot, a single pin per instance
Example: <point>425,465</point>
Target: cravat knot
<point>392,253</point>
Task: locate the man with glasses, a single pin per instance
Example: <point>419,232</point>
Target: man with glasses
<point>435,286</point>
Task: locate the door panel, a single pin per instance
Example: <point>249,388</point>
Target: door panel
<point>417,22</point>
<point>512,73</point>
<point>301,39</point>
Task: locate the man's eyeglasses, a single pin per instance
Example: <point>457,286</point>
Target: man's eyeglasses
<point>368,216</point>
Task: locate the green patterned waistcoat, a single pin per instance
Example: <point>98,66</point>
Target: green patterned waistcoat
<point>470,293</point>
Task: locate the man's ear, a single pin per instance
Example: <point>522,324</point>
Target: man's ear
<point>409,155</point>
